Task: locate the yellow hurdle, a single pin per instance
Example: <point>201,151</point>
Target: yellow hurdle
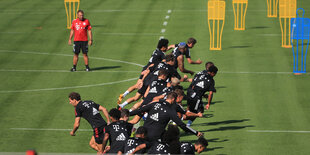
<point>272,8</point>
<point>240,7</point>
<point>287,10</point>
<point>216,20</point>
<point>72,6</point>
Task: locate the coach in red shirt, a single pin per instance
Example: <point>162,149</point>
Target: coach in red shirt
<point>80,27</point>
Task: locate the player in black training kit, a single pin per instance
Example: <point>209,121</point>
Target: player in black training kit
<point>157,57</point>
<point>179,53</point>
<point>116,133</point>
<point>89,110</point>
<point>190,44</point>
<point>189,148</point>
<point>159,115</point>
<point>199,86</point>
<point>138,144</point>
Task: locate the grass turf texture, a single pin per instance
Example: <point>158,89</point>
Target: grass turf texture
<point>243,102</point>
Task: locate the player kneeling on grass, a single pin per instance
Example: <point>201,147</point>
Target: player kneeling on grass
<point>116,133</point>
<point>199,86</point>
<point>89,110</point>
<point>198,147</point>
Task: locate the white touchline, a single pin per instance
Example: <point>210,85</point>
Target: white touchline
<point>277,131</point>
<point>72,87</point>
<point>62,71</point>
<point>131,34</point>
<point>46,129</point>
<point>69,55</point>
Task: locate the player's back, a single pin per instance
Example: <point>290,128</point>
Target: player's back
<point>202,84</point>
<point>159,148</point>
<point>89,110</point>
<point>132,143</point>
<point>118,135</point>
<point>187,148</point>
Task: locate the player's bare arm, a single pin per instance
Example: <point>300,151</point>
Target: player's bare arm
<point>190,61</point>
<point>135,119</point>
<point>104,142</point>
<point>75,126</point>
<point>171,47</point>
<point>180,60</point>
<point>209,99</point>
<point>105,113</point>
<point>70,37</point>
<point>90,42</point>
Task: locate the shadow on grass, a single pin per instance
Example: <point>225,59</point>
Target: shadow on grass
<point>221,122</point>
<point>105,67</point>
<point>228,128</point>
<point>245,46</point>
<point>259,27</point>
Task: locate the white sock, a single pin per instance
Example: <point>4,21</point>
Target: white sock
<point>130,110</point>
<point>126,93</point>
<point>123,104</point>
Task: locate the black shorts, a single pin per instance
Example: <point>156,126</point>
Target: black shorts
<point>99,134</point>
<point>78,45</point>
<point>143,89</point>
<point>194,103</point>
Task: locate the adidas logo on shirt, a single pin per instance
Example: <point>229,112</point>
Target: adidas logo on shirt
<point>95,111</point>
<point>154,117</point>
<point>153,90</point>
<point>121,137</point>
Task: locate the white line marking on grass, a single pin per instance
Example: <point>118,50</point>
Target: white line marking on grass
<point>62,88</point>
<point>270,35</point>
<point>132,34</point>
<point>167,17</point>
<point>43,129</point>
<point>69,55</point>
<point>161,37</point>
<point>223,72</point>
<point>165,23</point>
<point>163,30</point>
<point>277,131</point>
<point>169,11</point>
<point>61,71</point>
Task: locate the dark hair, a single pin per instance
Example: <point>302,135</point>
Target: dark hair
<point>208,64</point>
<point>172,95</point>
<point>169,57</point>
<point>213,69</point>
<point>114,113</point>
<point>80,11</point>
<point>172,137</point>
<point>191,40</point>
<point>162,43</point>
<point>162,72</point>
<point>75,96</point>
<point>124,113</point>
<point>202,141</point>
<point>179,92</point>
<point>141,130</point>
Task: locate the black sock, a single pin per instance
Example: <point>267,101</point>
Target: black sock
<point>74,66</point>
<point>86,66</point>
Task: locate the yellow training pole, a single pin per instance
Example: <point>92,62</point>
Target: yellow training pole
<point>240,8</point>
<point>216,21</point>
<point>272,8</point>
<point>71,6</point>
<point>287,9</point>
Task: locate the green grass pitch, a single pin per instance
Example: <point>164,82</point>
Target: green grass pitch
<point>256,89</point>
